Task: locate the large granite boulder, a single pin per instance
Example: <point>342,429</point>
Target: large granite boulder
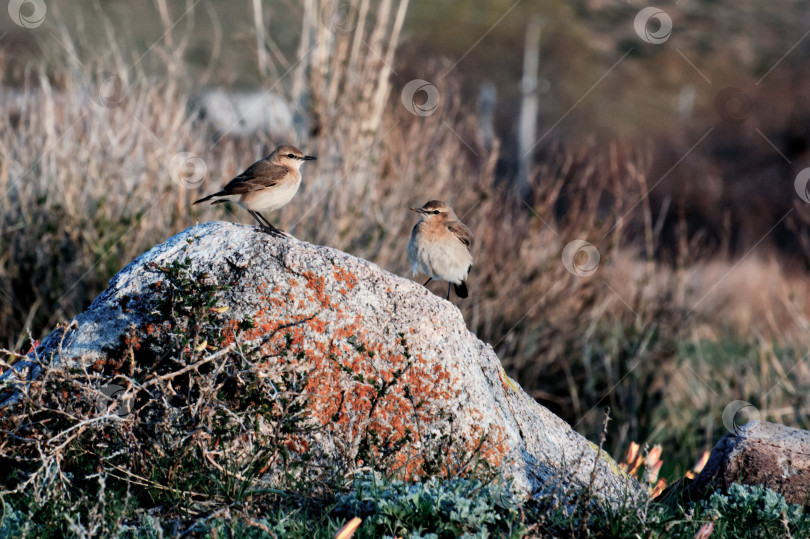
<point>381,359</point>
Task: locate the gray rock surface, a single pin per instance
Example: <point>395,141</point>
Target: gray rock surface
<point>333,303</point>
<point>760,453</point>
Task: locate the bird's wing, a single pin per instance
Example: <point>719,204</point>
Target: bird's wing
<point>415,230</point>
<point>462,232</point>
<point>259,175</point>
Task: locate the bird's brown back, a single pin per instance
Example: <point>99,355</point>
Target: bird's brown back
<point>462,232</point>
<point>260,175</point>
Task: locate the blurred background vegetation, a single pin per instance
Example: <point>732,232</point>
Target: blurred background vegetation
<point>675,160</point>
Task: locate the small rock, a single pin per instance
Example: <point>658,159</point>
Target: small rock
<point>760,453</point>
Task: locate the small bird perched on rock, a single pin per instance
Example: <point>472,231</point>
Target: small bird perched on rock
<point>441,246</point>
<point>268,184</point>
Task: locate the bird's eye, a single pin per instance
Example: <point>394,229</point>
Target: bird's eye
<point>435,212</point>
<point>291,156</point>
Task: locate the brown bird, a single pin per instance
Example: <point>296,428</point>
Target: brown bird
<point>268,184</point>
<point>441,246</point>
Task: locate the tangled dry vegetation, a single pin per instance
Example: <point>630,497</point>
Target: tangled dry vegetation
<point>87,184</point>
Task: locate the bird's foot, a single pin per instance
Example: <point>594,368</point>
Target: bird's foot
<point>273,231</point>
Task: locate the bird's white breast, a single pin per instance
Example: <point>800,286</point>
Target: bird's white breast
<point>272,198</point>
<point>439,256</point>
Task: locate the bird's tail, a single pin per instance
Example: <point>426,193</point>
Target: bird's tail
<point>461,289</point>
<point>209,197</point>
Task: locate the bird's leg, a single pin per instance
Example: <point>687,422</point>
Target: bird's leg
<point>426,282</point>
<point>262,220</point>
<point>273,230</point>
<point>448,292</point>
<point>266,222</point>
<point>266,225</point>
<point>255,216</point>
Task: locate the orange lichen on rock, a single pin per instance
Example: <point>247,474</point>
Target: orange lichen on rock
<point>366,391</point>
<point>317,284</point>
<point>132,341</point>
<point>319,326</point>
<point>381,403</point>
<point>352,392</point>
<point>490,443</point>
<point>345,276</point>
<point>504,385</point>
<point>297,443</point>
<point>229,332</point>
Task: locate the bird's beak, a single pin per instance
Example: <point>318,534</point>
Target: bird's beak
<point>309,158</point>
<point>417,210</point>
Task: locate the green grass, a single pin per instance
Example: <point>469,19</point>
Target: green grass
<point>460,507</point>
